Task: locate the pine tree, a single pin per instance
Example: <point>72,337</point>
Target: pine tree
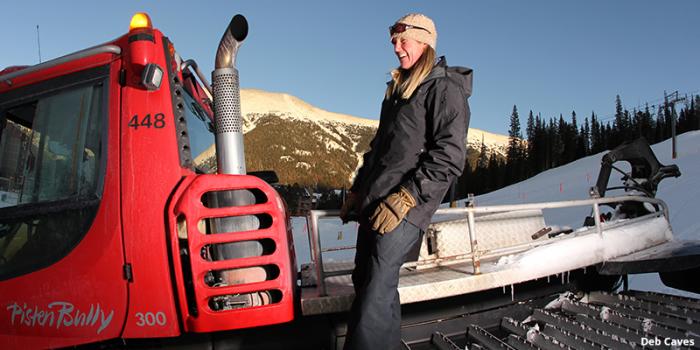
<point>530,149</point>
<point>539,149</point>
<point>696,113</point>
<point>564,141</point>
<point>483,160</point>
<point>596,142</point>
<point>530,127</point>
<point>495,174</point>
<point>586,136</point>
<point>620,125</point>
<point>515,152</point>
<point>514,135</point>
<point>608,136</point>
<point>556,144</point>
<point>667,115</point>
<point>660,125</point>
<point>571,141</point>
<point>646,124</point>
<point>629,132</point>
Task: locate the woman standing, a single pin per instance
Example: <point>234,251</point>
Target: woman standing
<point>418,151</point>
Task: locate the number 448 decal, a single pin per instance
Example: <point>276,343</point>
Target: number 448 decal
<point>157,121</point>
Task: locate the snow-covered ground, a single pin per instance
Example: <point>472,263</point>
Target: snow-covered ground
<point>571,181</point>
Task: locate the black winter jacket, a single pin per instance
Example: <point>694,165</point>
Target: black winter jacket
<point>420,144</point>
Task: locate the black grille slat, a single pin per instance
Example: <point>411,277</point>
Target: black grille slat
<point>514,327</point>
<point>661,308</point>
<point>484,338</point>
<point>672,321</point>
<point>520,343</point>
<point>575,308</point>
<point>666,299</point>
<point>442,342</point>
<point>571,340</point>
<point>537,338</point>
<point>594,321</point>
<point>615,317</point>
<point>622,334</point>
<point>575,327</point>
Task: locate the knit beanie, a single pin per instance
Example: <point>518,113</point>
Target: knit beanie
<point>427,36</point>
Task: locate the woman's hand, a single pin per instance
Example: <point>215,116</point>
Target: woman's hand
<point>391,211</point>
<point>348,211</point>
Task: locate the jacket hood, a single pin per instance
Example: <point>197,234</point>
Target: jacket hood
<point>462,76</point>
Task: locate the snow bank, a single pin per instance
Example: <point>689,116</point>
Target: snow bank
<point>570,253</point>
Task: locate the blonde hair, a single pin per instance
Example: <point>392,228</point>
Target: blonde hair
<point>405,82</point>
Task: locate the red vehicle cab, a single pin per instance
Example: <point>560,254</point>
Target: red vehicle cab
<point>106,160</point>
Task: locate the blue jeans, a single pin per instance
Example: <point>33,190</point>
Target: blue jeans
<point>375,316</point>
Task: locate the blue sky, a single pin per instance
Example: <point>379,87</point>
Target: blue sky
<point>551,57</point>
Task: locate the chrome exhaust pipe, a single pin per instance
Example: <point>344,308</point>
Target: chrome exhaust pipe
<point>230,158</point>
<point>227,100</point>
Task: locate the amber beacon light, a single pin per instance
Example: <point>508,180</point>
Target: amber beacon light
<point>140,20</point>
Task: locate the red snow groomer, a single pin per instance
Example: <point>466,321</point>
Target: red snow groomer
<point>128,219</point>
<point>109,194</point>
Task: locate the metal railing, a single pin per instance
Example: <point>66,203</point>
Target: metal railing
<point>470,213</point>
<point>113,49</point>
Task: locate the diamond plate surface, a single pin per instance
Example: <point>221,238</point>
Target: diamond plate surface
<point>456,279</point>
<point>451,237</point>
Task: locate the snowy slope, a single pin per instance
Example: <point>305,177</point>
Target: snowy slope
<point>570,181</point>
<point>573,180</point>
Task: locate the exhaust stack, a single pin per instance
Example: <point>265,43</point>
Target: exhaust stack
<point>227,100</point>
<point>230,159</point>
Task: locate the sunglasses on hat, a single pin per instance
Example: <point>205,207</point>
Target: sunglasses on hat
<point>402,27</point>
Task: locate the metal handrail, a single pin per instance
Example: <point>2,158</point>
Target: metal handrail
<point>193,64</point>
<point>317,252</point>
<point>113,49</point>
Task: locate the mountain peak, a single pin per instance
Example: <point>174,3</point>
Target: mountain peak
<point>260,102</point>
<point>256,103</point>
<point>311,146</point>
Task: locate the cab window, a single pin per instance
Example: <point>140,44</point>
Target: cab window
<point>51,170</point>
<point>201,133</point>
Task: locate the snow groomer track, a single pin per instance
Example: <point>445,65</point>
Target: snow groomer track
<point>599,320</point>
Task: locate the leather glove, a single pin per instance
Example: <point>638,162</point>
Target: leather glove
<point>391,211</point>
<point>349,207</point>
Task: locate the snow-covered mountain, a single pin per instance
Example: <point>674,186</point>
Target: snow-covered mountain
<point>256,103</point>
<point>308,145</point>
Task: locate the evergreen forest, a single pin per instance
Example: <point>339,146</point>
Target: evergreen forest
<point>551,142</point>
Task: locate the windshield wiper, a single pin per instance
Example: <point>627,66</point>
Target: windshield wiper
<point>24,211</point>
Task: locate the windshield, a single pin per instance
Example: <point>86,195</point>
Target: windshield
<point>51,153</point>
<point>200,127</point>
<point>201,132</point>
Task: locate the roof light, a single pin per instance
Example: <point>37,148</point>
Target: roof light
<point>140,20</point>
